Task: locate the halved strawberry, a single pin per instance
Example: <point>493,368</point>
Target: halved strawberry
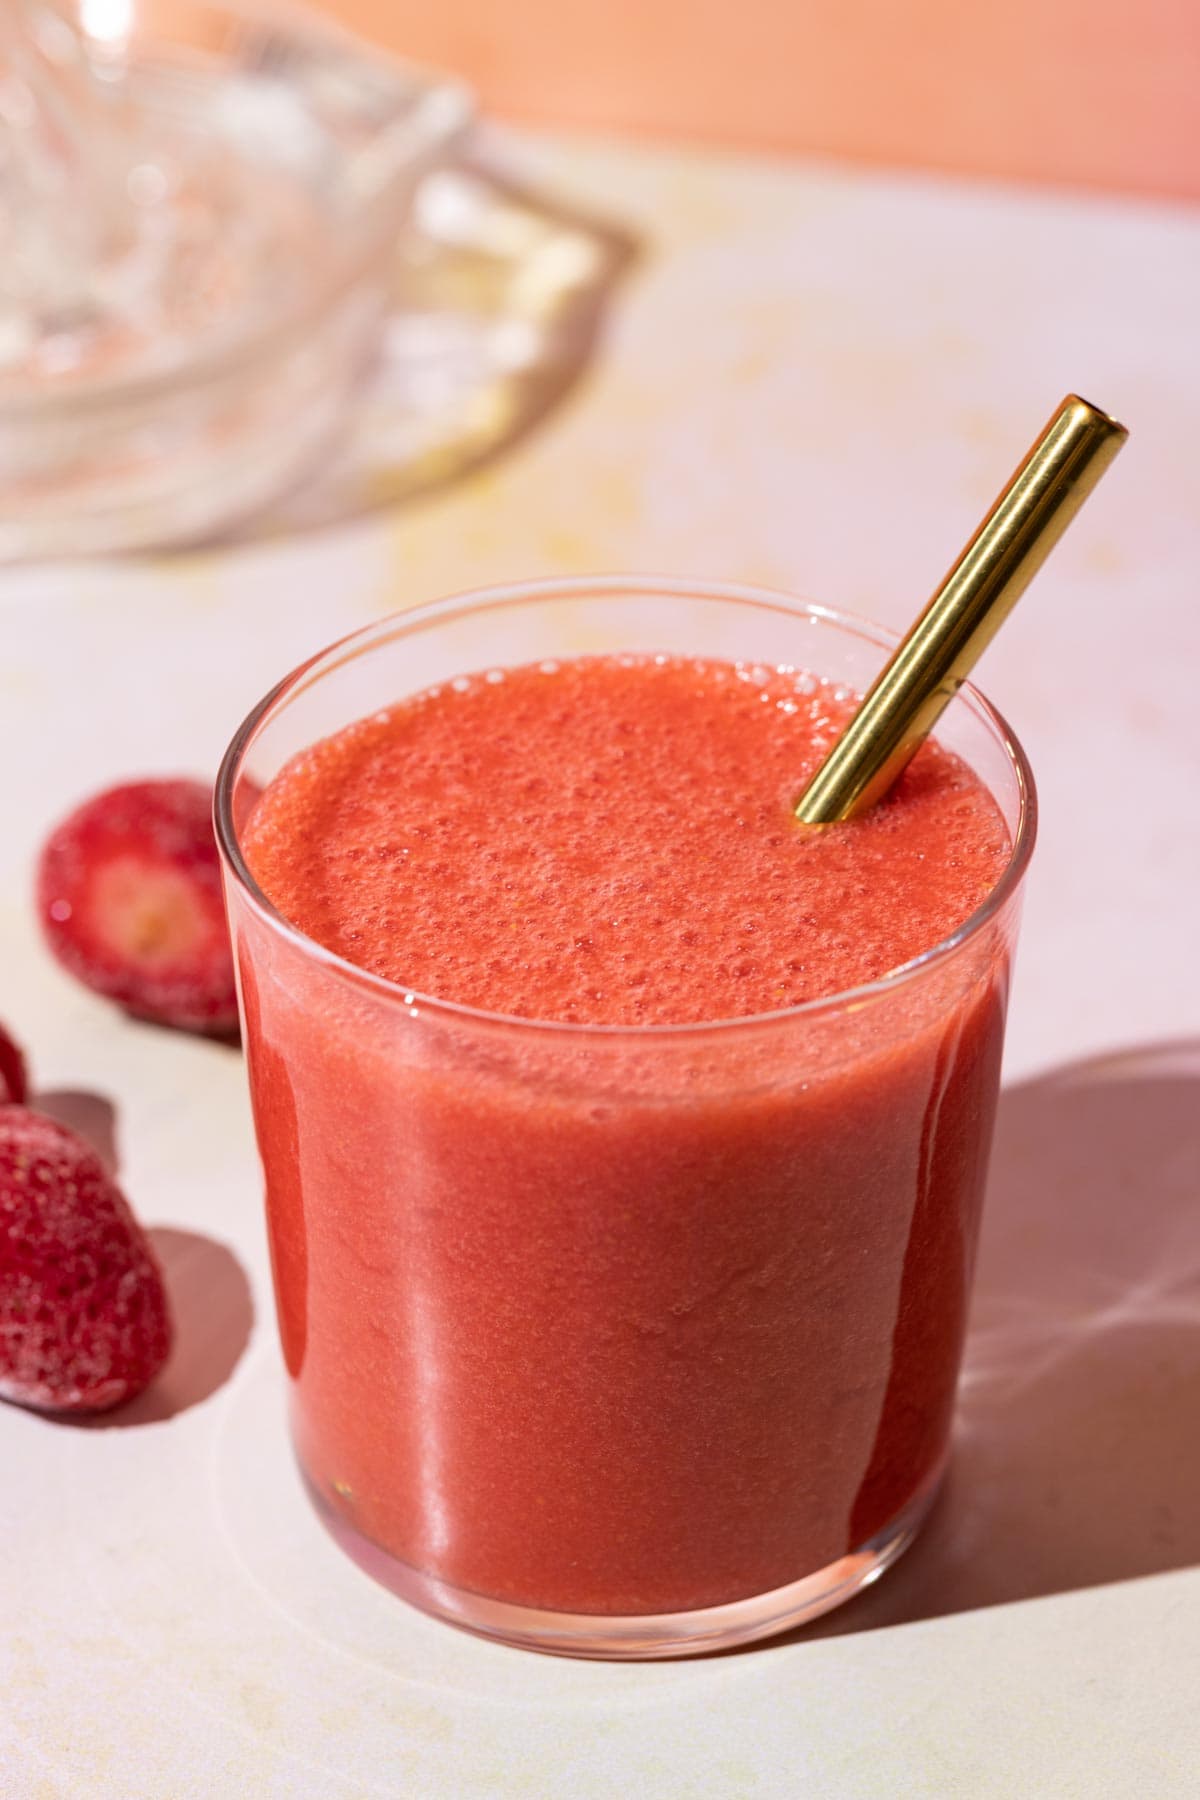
<point>129,893</point>
<point>84,1321</point>
<point>14,1080</point>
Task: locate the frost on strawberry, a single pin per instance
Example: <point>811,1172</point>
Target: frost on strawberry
<point>129,896</point>
<point>84,1319</point>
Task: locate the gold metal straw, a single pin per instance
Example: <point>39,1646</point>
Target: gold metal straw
<point>968,609</point>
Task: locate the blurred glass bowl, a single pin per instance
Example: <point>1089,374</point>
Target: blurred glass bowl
<point>200,207</point>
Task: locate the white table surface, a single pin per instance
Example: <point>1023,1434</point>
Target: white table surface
<point>814,378</point>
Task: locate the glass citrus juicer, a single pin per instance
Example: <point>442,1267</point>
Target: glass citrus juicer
<point>200,203</point>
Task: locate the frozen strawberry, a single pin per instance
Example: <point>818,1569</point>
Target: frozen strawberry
<point>14,1083</point>
<point>84,1322</point>
<point>129,893</point>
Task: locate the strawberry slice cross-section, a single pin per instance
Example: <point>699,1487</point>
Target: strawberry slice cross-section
<point>129,895</point>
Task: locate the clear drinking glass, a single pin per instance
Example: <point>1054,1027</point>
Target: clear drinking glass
<point>609,1341</point>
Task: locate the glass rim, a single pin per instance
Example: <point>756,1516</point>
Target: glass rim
<point>365,639</point>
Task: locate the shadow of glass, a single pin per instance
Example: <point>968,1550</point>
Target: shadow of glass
<point>213,1312</point>
<point>500,295</point>
<point>1076,1462</point>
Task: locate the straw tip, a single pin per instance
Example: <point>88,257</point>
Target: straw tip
<point>1096,415</point>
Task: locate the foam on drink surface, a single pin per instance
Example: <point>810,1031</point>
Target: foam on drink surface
<point>610,840</point>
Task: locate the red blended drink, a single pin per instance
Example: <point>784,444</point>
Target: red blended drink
<point>624,1141</point>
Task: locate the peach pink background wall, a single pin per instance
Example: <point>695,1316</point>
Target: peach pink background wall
<point>1103,93</point>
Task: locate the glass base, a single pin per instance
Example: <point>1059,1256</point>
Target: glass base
<point>637,1636</point>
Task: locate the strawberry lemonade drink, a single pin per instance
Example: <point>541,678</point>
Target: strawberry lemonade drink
<point>624,1141</point>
